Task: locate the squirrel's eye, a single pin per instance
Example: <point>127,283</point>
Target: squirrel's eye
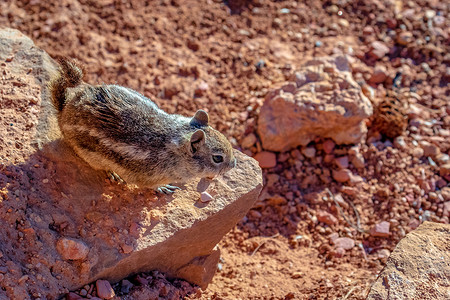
<point>217,159</point>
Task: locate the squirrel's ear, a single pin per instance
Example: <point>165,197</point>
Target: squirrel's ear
<point>197,140</point>
<point>201,118</point>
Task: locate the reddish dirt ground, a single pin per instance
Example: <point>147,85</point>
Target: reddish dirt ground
<point>223,56</point>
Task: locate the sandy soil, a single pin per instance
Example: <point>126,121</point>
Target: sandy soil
<point>206,54</point>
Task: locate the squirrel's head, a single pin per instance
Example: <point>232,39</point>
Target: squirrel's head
<point>211,152</point>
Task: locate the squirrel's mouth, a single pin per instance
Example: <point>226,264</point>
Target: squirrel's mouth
<point>227,168</point>
<point>232,163</point>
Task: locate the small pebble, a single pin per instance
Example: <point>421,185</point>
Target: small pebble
<point>326,217</point>
<point>358,161</point>
<point>248,141</point>
<point>404,38</point>
<point>309,152</point>
<point>379,75</point>
<point>342,175</point>
<point>342,162</point>
<point>399,142</point>
<point>73,296</point>
<point>297,275</point>
<point>328,146</point>
<point>444,170</point>
<point>266,159</point>
<point>383,253</point>
<point>418,152</point>
<point>338,252</point>
<point>378,49</point>
<point>126,249</point>
<point>104,289</point>
<point>71,249</point>
<point>344,243</point>
<point>381,229</point>
<point>205,197</point>
<point>429,149</point>
<point>125,286</point>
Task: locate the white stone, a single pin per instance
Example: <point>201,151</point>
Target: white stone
<point>324,102</point>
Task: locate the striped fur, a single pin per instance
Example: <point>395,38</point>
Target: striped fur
<point>116,129</point>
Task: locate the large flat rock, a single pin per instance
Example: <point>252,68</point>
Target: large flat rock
<point>418,268</point>
<point>65,224</point>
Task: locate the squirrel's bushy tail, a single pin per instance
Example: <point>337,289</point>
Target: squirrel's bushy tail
<point>70,74</point>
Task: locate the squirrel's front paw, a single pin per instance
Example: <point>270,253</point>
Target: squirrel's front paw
<point>114,177</point>
<point>167,189</point>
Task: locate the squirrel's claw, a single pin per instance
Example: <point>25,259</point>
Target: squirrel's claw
<point>114,177</point>
<point>167,189</point>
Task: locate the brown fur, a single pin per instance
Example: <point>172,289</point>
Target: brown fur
<point>119,130</point>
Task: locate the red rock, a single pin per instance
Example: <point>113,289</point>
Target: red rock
<point>134,229</point>
<point>342,175</point>
<point>248,141</point>
<point>404,38</point>
<point>344,243</point>
<point>445,192</point>
<point>440,183</point>
<point>348,190</point>
<point>417,152</point>
<point>447,209</point>
<point>444,170</point>
<point>378,49</point>
<point>345,104</point>
<point>276,200</point>
<point>266,159</point>
<point>71,249</point>
<point>333,236</point>
<point>381,229</point>
<point>328,158</point>
<point>368,30</point>
<point>326,218</point>
<point>73,296</point>
<point>342,162</point>
<point>429,149</point>
<point>309,152</point>
<point>358,161</point>
<point>201,89</point>
<point>126,248</point>
<point>104,289</point>
<point>338,252</point>
<point>383,253</point>
<point>414,223</point>
<point>255,214</point>
<point>141,280</point>
<point>378,76</point>
<point>328,146</point>
<point>391,23</point>
<point>418,267</point>
<point>354,179</point>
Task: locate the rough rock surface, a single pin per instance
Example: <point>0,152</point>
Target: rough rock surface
<point>23,65</point>
<point>322,100</point>
<point>48,195</point>
<point>418,268</point>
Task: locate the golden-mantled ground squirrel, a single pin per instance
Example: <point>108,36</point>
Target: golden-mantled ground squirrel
<point>118,130</point>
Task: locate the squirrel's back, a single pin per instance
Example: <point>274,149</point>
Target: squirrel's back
<point>116,129</point>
